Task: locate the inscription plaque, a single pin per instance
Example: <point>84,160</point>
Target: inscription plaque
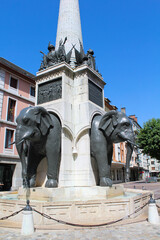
<point>49,91</point>
<point>95,94</point>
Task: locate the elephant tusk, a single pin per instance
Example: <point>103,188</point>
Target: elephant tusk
<point>20,142</point>
<point>135,145</point>
<point>11,143</point>
<point>129,141</point>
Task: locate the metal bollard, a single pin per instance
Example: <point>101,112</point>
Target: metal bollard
<point>27,222</point>
<point>153,216</point>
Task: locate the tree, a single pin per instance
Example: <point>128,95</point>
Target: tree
<point>148,138</point>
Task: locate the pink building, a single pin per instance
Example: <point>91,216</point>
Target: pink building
<point>17,91</point>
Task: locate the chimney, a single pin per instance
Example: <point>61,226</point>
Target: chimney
<point>134,118</point>
<point>123,110</point>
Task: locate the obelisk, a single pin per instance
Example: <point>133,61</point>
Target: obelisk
<point>69,25</point>
<point>73,91</point>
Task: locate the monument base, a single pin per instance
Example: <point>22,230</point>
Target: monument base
<point>70,193</point>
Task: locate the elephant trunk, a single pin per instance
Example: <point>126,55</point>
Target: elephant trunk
<point>22,135</point>
<point>22,146</point>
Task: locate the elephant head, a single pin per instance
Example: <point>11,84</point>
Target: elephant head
<point>117,127</point>
<point>32,123</point>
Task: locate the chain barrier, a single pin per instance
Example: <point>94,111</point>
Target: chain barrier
<point>157,204</point>
<point>12,215</point>
<point>79,225</point>
<point>157,199</point>
<point>82,225</point>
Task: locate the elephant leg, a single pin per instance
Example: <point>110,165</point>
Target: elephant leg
<point>33,162</point>
<point>106,180</point>
<point>100,152</point>
<point>53,153</point>
<point>53,157</point>
<point>110,153</point>
<point>24,170</point>
<point>53,167</point>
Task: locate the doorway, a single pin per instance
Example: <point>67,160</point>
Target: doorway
<point>6,174</point>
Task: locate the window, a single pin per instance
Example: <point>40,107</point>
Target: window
<point>9,138</point>
<point>32,91</point>
<point>13,83</point>
<point>152,162</point>
<point>119,154</point>
<point>11,110</point>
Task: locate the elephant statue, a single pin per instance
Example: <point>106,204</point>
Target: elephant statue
<point>112,127</point>
<point>38,135</point>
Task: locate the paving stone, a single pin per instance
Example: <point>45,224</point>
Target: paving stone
<point>135,231</point>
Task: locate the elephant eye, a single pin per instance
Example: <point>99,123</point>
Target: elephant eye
<point>25,120</point>
<point>126,124</point>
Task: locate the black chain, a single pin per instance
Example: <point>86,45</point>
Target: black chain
<point>12,215</point>
<point>157,204</point>
<point>157,198</point>
<point>96,225</point>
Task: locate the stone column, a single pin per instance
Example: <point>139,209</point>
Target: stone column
<point>69,25</point>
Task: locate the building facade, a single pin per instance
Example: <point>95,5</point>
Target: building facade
<point>17,91</point>
<point>140,161</point>
<point>154,167</point>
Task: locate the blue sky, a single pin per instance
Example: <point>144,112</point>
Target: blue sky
<point>124,34</point>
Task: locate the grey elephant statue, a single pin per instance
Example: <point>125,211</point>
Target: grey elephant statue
<point>113,127</point>
<point>38,135</point>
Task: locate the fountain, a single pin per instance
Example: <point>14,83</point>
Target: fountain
<point>69,139</point>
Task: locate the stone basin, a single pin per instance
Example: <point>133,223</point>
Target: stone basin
<point>78,205</point>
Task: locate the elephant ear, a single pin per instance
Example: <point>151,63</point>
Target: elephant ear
<point>108,123</point>
<point>43,119</point>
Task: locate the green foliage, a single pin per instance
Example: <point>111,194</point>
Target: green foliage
<point>148,138</point>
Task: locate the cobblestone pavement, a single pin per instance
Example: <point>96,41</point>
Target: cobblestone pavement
<point>155,187</point>
<point>134,231</point>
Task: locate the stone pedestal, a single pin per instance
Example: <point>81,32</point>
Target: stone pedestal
<point>75,96</point>
<point>71,193</point>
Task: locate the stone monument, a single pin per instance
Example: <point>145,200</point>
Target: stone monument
<point>69,114</point>
<point>71,88</point>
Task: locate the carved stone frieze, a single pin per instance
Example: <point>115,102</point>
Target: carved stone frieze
<point>80,74</point>
<point>69,73</point>
<point>97,81</point>
<point>49,76</point>
<point>49,91</point>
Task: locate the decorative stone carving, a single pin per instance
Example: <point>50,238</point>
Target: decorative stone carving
<point>50,91</point>
<point>91,59</point>
<point>95,94</point>
<point>55,56</point>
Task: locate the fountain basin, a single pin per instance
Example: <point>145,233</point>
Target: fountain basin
<point>91,210</point>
